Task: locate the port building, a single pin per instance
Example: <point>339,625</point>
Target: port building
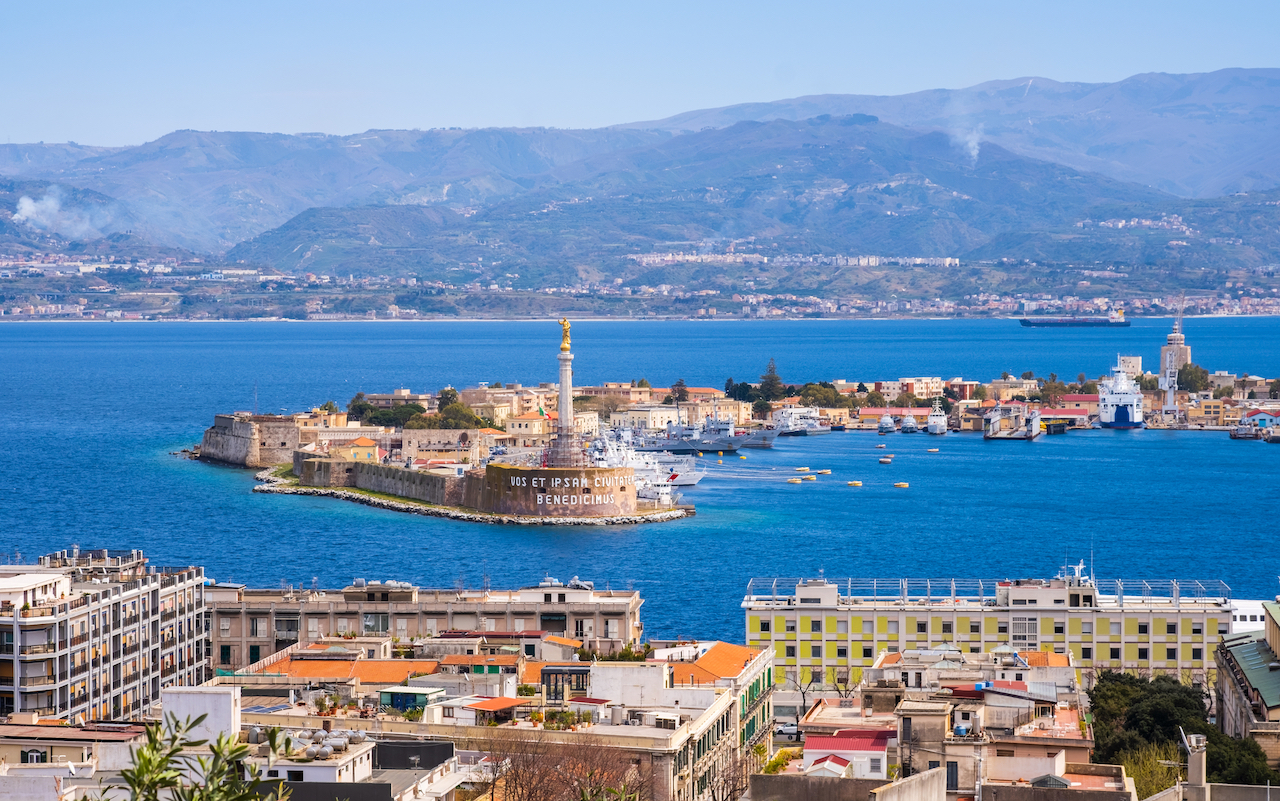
<point>827,632</point>
<point>98,634</point>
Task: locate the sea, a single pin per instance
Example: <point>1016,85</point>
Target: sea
<point>97,410</point>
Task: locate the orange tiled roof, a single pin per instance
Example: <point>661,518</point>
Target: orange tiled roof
<point>498,704</point>
<point>564,641</point>
<point>363,442</point>
<point>690,673</point>
<point>480,659</point>
<point>368,671</point>
<point>725,660</point>
<point>1044,659</point>
<point>891,659</point>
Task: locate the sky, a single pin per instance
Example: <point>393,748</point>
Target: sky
<point>129,72</point>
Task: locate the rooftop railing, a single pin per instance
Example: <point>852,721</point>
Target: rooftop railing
<point>981,591</point>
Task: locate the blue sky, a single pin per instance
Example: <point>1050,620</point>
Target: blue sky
<point>128,72</point>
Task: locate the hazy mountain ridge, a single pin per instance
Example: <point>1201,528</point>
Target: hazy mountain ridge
<point>1196,135</point>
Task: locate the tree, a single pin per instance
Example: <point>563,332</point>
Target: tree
<point>1089,388</point>
<point>906,399</point>
<point>164,767</point>
<point>862,388</point>
<point>1224,392</point>
<point>680,391</point>
<point>1081,378</point>
<point>1006,375</point>
<point>771,388</point>
<point>1193,378</point>
<point>1052,391</point>
<point>1147,383</point>
<point>358,408</point>
<point>1150,767</point>
<point>980,392</point>
<point>643,383</point>
<point>496,385</point>
<point>446,396</point>
<point>761,409</point>
<point>1274,391</point>
<point>455,416</point>
<point>396,416</point>
<point>875,400</point>
<point>329,407</point>
<point>1028,375</point>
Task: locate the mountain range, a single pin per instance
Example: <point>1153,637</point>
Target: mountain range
<point>1003,169</point>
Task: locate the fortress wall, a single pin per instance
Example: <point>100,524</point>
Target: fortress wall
<point>277,440</point>
<point>421,486</point>
<point>326,473</point>
<point>231,440</point>
<point>558,491</point>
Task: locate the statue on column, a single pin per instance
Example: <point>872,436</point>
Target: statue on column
<point>564,341</point>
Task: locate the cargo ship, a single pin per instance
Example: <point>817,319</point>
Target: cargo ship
<point>1113,320</point>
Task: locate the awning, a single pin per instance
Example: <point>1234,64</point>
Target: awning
<point>498,704</point>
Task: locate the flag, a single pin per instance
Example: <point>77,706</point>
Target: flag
<point>540,412</point>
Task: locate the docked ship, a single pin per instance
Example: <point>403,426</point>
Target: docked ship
<point>739,437</point>
<point>887,425</point>
<point>801,421</point>
<point>937,420</point>
<point>909,425</point>
<point>1119,401</point>
<point>1113,320</point>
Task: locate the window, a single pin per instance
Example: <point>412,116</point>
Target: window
<point>842,627</point>
<point>1086,653</point>
<point>893,627</point>
<point>1002,627</point>
<point>1004,752</point>
<point>1142,628</point>
<point>906,727</point>
<point>1017,677</point>
<point>376,623</point>
<point>868,627</point>
<point>791,652</point>
<point>973,649</point>
<point>1171,628</point>
<point>546,597</point>
<point>975,627</point>
<point>1171,654</point>
<point>1222,628</point>
<point>791,626</point>
<point>293,776</point>
<point>560,597</point>
<point>874,764</point>
<point>1086,627</point>
<point>953,776</point>
<point>946,628</point>
<point>815,625</point>
<point>1115,628</point>
<point>224,654</point>
<point>866,652</point>
<point>842,653</point>
<point>1059,627</point>
<point>224,626</point>
<point>256,627</point>
<point>764,626</point>
<point>273,774</point>
<point>1019,601</point>
<point>1024,631</point>
<point>1115,653</point>
<point>1144,654</point>
<point>255,652</point>
<point>1197,654</point>
<point>815,651</point>
<point>33,756</point>
<point>1197,628</point>
<point>921,627</point>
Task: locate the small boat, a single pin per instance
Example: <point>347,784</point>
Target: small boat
<point>823,472</point>
<point>902,485</point>
<point>909,425</point>
<point>881,445</point>
<point>802,469</point>
<point>809,478</point>
<point>886,424</point>
<point>886,460</point>
<point>793,481</point>
<point>837,427</point>
<point>933,450</point>
<point>855,483</point>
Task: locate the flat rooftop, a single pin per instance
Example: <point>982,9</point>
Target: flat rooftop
<point>982,592</point>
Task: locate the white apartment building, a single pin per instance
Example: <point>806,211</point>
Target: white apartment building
<point>98,634</point>
<point>248,625</point>
<point>822,630</point>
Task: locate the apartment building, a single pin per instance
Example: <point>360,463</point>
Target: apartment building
<point>819,627</point>
<point>248,625</point>
<point>98,634</point>
<point>1247,690</point>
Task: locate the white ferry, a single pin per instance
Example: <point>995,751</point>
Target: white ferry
<point>1119,401</point>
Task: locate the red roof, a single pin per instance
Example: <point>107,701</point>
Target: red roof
<point>1268,412</point>
<point>834,760</point>
<point>498,704</point>
<point>851,740</point>
<point>1082,398</point>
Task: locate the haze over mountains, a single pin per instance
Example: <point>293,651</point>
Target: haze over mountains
<point>1003,168</point>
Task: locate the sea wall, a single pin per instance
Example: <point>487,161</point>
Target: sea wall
<point>387,479</point>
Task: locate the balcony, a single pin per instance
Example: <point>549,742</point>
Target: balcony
<point>167,672</point>
<point>131,620</point>
<point>6,647</point>
<point>130,649</point>
<point>166,616</point>
<point>79,670</point>
<point>115,685</point>
<point>79,700</point>
<point>43,648</point>
<point>131,678</point>
<point>37,681</point>
<point>79,639</point>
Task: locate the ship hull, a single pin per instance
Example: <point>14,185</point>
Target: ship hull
<point>1077,322</point>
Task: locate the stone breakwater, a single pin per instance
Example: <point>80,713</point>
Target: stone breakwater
<point>274,484</point>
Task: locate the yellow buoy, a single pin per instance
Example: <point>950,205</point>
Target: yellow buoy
<point>855,483</point>
<point>719,453</point>
<point>793,481</point>
<point>699,453</point>
<point>802,469</point>
<point>719,461</point>
<point>742,457</point>
<point>902,485</point>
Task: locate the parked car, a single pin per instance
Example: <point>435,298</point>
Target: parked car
<point>788,730</point>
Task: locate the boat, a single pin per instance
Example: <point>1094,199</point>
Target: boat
<point>933,450</point>
<point>1119,400</point>
<point>726,431</point>
<point>901,485</point>
<point>886,460</point>
<point>936,423</point>
<point>799,421</point>
<point>650,469</point>
<point>886,424</point>
<point>1246,431</point>
<point>808,478</point>
<point>802,469</point>
<point>1113,320</point>
<point>838,427</point>
<point>793,481</point>
<point>1011,422</point>
<point>909,425</point>
<point>855,483</point>
<point>881,445</point>
<point>823,472</point>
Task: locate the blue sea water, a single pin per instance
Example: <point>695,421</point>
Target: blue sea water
<point>95,410</point>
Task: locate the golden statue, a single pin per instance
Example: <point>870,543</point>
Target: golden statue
<point>564,341</point>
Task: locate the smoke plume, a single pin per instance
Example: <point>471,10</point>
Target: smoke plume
<point>49,215</point>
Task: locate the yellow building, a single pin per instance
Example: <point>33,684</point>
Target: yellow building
<point>817,626</point>
<point>361,449</point>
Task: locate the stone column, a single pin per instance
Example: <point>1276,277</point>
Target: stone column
<point>566,393</point>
